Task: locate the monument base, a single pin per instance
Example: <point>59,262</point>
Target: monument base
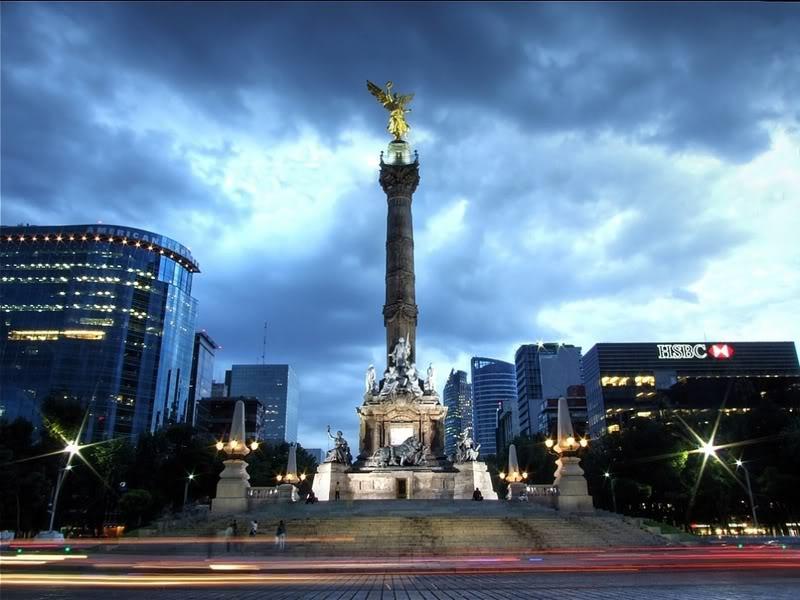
<point>473,475</point>
<point>288,493</point>
<point>393,483</point>
<point>232,488</point>
<point>573,495</point>
<point>327,477</point>
<point>517,491</point>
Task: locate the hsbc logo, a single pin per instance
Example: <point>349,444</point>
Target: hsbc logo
<point>695,351</point>
<point>720,351</point>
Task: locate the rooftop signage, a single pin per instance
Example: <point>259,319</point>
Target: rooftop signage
<point>694,351</point>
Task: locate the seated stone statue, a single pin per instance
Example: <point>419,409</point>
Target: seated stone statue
<point>413,381</point>
<point>340,453</point>
<point>390,382</point>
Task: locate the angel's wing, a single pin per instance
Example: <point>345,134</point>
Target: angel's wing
<point>404,100</point>
<point>382,96</point>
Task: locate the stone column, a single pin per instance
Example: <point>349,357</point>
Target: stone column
<point>399,181</point>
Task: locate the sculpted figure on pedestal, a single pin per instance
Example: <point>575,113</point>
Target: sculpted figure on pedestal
<point>466,450</point>
<point>410,452</point>
<point>369,382</point>
<point>340,453</point>
<point>430,384</point>
<point>400,354</point>
<point>413,381</point>
<point>390,382</point>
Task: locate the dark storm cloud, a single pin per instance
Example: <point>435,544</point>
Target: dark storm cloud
<point>684,76</point>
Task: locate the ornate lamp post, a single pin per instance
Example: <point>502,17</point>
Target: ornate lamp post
<point>515,476</point>
<point>234,480</point>
<point>573,493</point>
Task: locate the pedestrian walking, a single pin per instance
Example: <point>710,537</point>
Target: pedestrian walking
<point>280,536</point>
<point>228,534</point>
<point>253,527</point>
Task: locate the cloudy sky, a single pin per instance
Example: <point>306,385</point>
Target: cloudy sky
<point>589,172</point>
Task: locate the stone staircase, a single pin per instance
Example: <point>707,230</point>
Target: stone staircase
<point>415,528</point>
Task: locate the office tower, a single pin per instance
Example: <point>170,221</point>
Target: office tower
<point>278,389</point>
<point>493,382</point>
<point>544,372</point>
<point>457,397</point>
<point>98,314</point>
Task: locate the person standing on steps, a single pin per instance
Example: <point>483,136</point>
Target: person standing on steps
<point>336,492</point>
<point>228,534</point>
<point>280,536</point>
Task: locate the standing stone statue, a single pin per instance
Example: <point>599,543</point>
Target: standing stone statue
<point>369,383</point>
<point>340,453</point>
<point>430,384</point>
<point>400,354</point>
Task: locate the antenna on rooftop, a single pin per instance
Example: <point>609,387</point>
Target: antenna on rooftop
<point>264,346</point>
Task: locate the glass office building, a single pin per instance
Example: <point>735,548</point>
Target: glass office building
<point>654,380</point>
<point>201,381</point>
<point>544,372</point>
<point>276,386</point>
<point>457,397</point>
<point>99,314</point>
<point>493,382</point>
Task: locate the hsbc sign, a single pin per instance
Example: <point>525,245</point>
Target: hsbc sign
<point>696,351</point>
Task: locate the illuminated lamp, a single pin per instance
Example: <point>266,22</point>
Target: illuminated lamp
<point>279,477</point>
<point>254,446</point>
<point>502,475</point>
<point>219,445</point>
<point>302,476</point>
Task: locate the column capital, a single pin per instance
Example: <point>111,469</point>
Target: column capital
<point>399,180</point>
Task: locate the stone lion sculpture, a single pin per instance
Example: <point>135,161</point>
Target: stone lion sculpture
<point>410,452</point>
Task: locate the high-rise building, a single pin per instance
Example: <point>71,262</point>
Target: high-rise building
<point>493,382</point>
<point>215,416</point>
<point>457,397</point>
<point>504,429</point>
<point>649,380</point>
<point>544,372</point>
<point>202,379</point>
<point>317,453</point>
<point>219,389</point>
<point>278,389</point>
<point>98,314</point>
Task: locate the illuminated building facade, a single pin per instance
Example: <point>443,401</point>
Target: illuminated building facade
<point>98,314</point>
<point>201,382</point>
<point>493,383</point>
<point>629,380</point>
<point>278,389</point>
<point>457,397</point>
<point>544,373</point>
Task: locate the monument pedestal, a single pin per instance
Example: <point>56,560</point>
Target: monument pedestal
<point>517,491</point>
<point>232,488</point>
<point>288,493</point>
<point>471,475</point>
<point>573,495</point>
<point>326,478</point>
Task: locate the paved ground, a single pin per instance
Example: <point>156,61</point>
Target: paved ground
<point>773,585</point>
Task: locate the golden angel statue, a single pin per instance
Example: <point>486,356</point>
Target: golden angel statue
<point>396,105</point>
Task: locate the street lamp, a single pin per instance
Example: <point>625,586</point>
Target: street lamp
<point>611,480</point>
<point>740,464</point>
<point>71,449</point>
<point>189,479</point>
<point>708,449</point>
